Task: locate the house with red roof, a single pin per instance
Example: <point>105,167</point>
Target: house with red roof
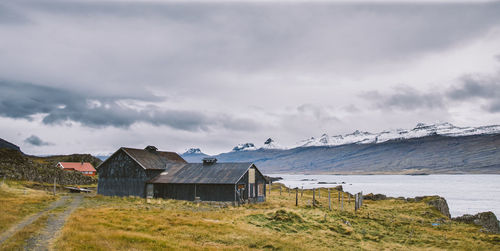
<point>84,167</point>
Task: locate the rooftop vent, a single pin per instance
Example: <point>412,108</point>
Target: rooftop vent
<point>151,148</point>
<point>209,161</point>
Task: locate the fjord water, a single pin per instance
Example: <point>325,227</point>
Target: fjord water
<point>465,194</point>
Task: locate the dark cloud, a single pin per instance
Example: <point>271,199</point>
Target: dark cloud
<point>468,88</point>
<point>298,37</point>
<point>486,88</point>
<point>405,98</point>
<point>9,16</point>
<point>36,141</point>
<point>22,100</point>
<point>475,87</point>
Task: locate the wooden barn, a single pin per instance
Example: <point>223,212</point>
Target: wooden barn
<point>210,181</point>
<point>126,171</point>
<point>152,173</point>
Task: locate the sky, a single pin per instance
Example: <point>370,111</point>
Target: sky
<point>92,76</point>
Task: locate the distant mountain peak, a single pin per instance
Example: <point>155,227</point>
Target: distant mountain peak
<point>193,151</point>
<point>420,130</point>
<point>268,141</point>
<point>271,144</point>
<point>244,147</point>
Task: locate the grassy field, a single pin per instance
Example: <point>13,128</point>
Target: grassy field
<point>110,223</point>
<point>18,200</point>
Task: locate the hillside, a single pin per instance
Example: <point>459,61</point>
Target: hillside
<point>429,154</point>
<point>278,224</point>
<point>8,145</point>
<point>16,165</point>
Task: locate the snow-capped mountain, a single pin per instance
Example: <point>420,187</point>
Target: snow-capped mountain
<point>193,155</point>
<point>271,144</point>
<point>421,149</point>
<point>420,130</point>
<point>244,147</point>
<point>193,151</point>
<point>361,137</point>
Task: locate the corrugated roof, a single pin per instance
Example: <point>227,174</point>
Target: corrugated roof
<point>156,160</point>
<point>218,173</point>
<point>78,166</point>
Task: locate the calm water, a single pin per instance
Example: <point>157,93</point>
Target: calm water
<point>464,193</point>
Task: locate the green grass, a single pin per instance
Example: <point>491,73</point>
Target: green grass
<point>105,223</point>
<point>18,201</point>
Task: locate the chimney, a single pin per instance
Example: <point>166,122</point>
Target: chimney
<point>151,148</point>
<point>209,161</point>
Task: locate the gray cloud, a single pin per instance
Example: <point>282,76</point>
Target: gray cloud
<point>405,98</point>
<point>320,113</point>
<point>22,100</point>
<point>478,87</point>
<point>468,88</point>
<point>199,68</point>
<point>9,16</point>
<point>190,43</point>
<point>36,141</point>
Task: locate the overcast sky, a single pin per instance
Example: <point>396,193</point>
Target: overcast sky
<point>91,76</point>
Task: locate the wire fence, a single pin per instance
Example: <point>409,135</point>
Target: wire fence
<point>331,198</point>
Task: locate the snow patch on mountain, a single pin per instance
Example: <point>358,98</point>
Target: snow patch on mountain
<point>361,137</point>
<point>420,130</point>
<point>244,147</point>
<point>271,144</point>
<point>193,151</point>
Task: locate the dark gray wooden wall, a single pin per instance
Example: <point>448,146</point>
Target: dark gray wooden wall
<point>122,176</point>
<point>206,192</point>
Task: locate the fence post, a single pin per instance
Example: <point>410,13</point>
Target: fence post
<point>329,201</point>
<point>314,197</point>
<point>269,187</point>
<point>339,198</point>
<point>288,191</point>
<point>296,196</point>
<point>361,198</point>
<point>356,202</point>
<point>302,192</point>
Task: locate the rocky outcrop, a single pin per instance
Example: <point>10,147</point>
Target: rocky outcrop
<point>441,205</point>
<point>372,196</point>
<point>339,188</point>
<point>435,201</point>
<point>487,220</point>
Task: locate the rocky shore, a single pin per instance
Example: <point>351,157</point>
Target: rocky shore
<point>487,220</point>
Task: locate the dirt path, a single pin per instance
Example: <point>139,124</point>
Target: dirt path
<point>55,223</point>
<point>14,229</point>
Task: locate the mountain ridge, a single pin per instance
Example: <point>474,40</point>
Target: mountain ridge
<point>432,153</point>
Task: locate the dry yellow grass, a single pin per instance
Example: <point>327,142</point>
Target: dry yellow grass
<point>110,223</point>
<point>17,201</point>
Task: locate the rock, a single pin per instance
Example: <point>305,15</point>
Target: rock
<point>339,188</point>
<point>487,220</point>
<point>441,205</point>
<point>438,202</point>
<point>372,196</point>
